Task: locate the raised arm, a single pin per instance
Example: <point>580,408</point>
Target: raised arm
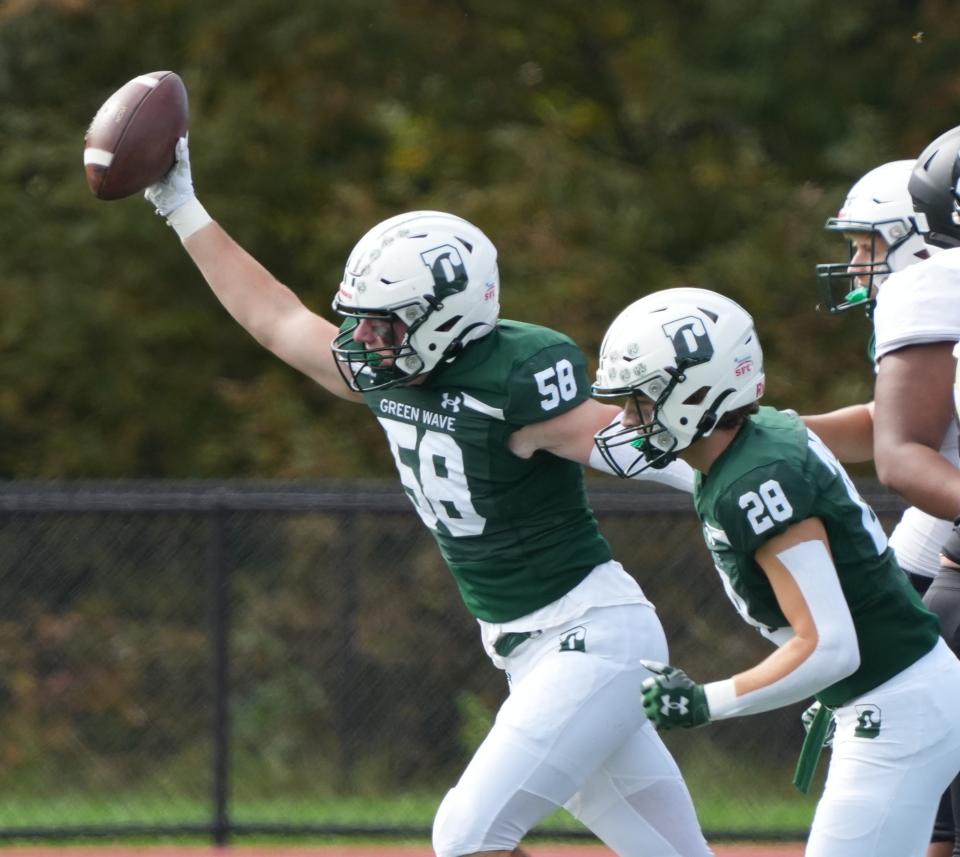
<point>264,307</point>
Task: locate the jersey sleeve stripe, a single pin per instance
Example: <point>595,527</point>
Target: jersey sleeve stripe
<point>482,407</point>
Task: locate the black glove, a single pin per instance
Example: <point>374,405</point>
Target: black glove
<point>671,698</point>
<point>951,547</point>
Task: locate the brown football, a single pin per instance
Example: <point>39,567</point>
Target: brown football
<point>131,141</point>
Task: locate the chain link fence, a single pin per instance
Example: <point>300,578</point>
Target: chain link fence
<point>231,659</point>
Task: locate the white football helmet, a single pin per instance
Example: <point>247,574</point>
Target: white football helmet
<point>694,354</point>
<point>879,204</point>
<point>433,271</point>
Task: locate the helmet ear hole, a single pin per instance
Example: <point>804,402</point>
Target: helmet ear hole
<point>696,397</point>
<point>449,324</point>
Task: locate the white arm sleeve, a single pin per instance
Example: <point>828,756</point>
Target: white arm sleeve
<point>677,474</point>
<point>836,655</point>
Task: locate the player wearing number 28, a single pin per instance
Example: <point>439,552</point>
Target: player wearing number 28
<point>421,344</point>
<point>803,559</point>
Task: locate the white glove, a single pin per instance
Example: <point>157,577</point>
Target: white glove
<point>176,187</point>
<point>173,196</point>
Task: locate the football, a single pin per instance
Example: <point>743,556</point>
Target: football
<point>131,140</point>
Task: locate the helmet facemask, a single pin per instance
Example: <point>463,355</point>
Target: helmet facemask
<point>435,273</point>
<point>845,285</point>
<point>656,446</point>
<point>363,369</point>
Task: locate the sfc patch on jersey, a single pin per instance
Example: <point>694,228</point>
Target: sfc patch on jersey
<point>868,721</point>
<point>574,640</point>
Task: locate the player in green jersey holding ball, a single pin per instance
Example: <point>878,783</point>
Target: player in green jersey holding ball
<point>803,559</point>
<point>422,345</point>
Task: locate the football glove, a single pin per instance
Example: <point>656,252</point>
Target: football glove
<point>175,189</point>
<point>672,699</point>
<point>807,720</point>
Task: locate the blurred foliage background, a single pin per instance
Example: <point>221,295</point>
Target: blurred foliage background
<point>609,149</point>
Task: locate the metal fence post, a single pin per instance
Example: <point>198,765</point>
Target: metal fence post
<point>348,675</point>
<point>218,576</point>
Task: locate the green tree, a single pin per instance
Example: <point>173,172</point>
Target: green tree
<point>608,150</point>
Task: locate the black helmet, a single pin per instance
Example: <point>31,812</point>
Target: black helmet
<point>933,187</point>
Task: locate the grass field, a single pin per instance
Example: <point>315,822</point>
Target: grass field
<point>721,817</point>
<point>721,821</point>
<point>789,849</point>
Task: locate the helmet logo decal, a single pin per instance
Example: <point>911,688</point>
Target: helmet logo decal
<point>690,341</point>
<point>449,272</point>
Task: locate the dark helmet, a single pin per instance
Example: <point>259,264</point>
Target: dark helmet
<point>933,187</point>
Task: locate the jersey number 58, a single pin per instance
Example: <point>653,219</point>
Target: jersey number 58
<point>556,384</point>
<point>431,470</point>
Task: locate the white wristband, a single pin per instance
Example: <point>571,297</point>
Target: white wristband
<point>721,697</point>
<point>188,218</point>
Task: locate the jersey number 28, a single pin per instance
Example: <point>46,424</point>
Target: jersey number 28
<point>766,505</point>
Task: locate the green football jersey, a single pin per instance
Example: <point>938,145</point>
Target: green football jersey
<point>516,533</point>
<point>776,474</point>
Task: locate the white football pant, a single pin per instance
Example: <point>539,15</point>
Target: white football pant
<point>573,733</point>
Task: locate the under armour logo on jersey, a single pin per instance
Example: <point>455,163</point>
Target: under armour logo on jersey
<point>574,640</point>
<point>681,705</point>
<point>868,721</point>
<point>452,403</point>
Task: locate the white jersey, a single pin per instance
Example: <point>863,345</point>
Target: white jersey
<point>917,305</point>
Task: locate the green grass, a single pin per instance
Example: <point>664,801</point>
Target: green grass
<point>740,812</point>
<point>731,792</point>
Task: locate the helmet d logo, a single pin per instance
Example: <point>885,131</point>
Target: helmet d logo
<point>690,340</point>
<point>449,272</point>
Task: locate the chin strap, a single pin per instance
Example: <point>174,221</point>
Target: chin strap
<point>455,348</point>
<point>710,417</point>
